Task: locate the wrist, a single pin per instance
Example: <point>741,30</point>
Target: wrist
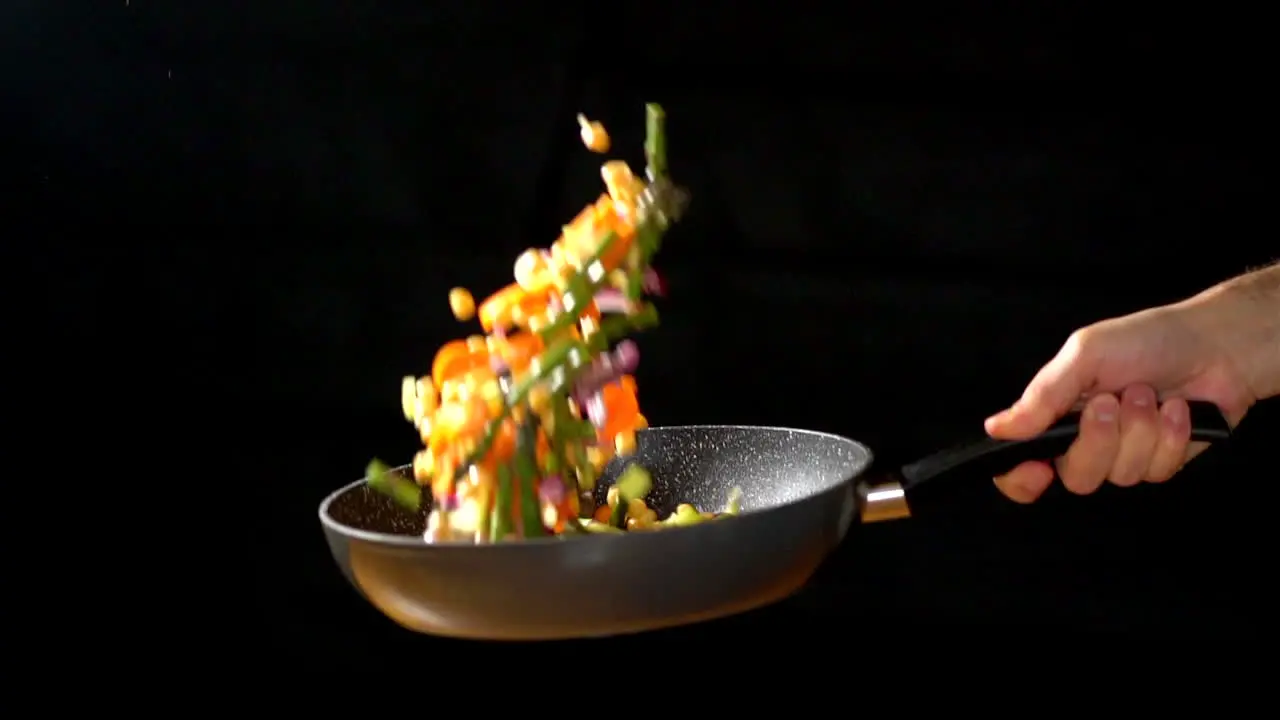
<point>1241,317</point>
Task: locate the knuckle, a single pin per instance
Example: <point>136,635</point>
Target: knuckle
<point>1079,342</point>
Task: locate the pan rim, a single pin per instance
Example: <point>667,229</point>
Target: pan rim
<point>389,540</point>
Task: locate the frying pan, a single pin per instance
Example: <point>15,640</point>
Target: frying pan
<point>801,491</point>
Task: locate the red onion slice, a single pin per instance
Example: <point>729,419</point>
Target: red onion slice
<point>652,282</point>
<point>612,301</point>
<point>551,490</point>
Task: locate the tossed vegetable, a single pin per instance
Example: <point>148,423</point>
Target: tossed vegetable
<point>517,424</point>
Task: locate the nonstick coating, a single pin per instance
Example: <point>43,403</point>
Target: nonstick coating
<point>797,504</point>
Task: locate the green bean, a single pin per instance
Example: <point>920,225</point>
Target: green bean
<point>616,326</point>
<point>655,141</point>
<point>586,480</point>
<point>557,461</point>
<point>549,361</point>
<point>500,521</point>
<point>406,493</point>
<point>582,289</point>
<point>527,471</point>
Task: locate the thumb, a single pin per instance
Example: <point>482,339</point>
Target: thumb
<point>1050,395</point>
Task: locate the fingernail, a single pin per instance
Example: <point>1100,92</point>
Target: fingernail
<point>1104,410</point>
<point>1173,416</point>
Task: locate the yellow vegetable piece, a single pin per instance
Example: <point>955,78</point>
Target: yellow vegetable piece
<point>462,304</point>
<point>593,135</point>
<point>625,443</point>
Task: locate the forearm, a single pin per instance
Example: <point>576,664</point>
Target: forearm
<point>1248,319</point>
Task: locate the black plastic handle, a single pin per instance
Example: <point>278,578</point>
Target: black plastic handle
<point>989,457</point>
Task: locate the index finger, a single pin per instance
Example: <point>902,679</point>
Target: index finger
<point>1050,395</point>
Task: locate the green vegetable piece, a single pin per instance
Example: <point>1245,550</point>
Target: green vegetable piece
<point>684,515</point>
<point>618,515</point>
<point>527,471</point>
<point>648,240</point>
<point>655,141</point>
<point>583,289</point>
<point>733,505</point>
<point>593,526</point>
<point>500,517</point>
<point>618,326</point>
<point>587,482</point>
<point>550,360</point>
<point>633,484</point>
<point>406,493</point>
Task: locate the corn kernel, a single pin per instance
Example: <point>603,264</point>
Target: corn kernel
<point>598,457</point>
<point>423,464</point>
<point>618,279</point>
<point>593,135</point>
<point>462,304</point>
<point>494,402</point>
<point>636,507</point>
<point>528,267</point>
<point>625,443</point>
<point>539,398</point>
<point>427,391</point>
<point>611,497</point>
<point>477,343</point>
<point>408,396</point>
<point>424,402</point>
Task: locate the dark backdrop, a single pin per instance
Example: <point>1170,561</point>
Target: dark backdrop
<point>895,221</point>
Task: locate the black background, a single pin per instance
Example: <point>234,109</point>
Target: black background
<point>897,218</point>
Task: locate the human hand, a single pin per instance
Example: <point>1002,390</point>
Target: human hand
<point>1134,375</point>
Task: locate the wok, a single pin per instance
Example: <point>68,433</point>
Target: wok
<point>801,491</point>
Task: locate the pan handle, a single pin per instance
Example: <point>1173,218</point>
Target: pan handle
<point>990,457</point>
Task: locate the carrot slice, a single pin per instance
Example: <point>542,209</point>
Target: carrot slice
<point>495,311</point>
<point>621,409</point>
<point>455,359</point>
<point>444,356</point>
<point>519,349</point>
<point>454,419</point>
<point>504,442</point>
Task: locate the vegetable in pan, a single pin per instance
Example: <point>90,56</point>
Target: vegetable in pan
<point>519,422</point>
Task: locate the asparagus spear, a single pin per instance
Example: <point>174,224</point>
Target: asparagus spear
<point>500,517</point>
<point>527,471</point>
